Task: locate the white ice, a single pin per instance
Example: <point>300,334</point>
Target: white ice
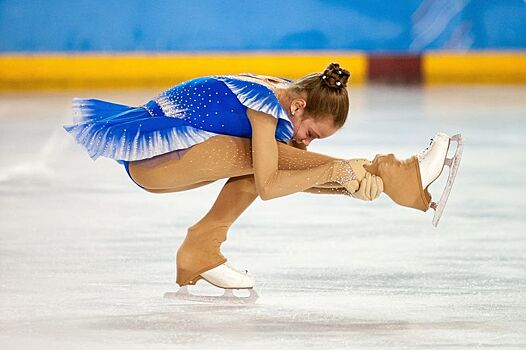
<point>85,255</point>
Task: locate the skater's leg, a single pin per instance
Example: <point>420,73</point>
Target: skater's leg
<point>401,180</point>
<point>219,157</point>
<point>407,181</point>
<point>200,250</point>
<point>227,156</point>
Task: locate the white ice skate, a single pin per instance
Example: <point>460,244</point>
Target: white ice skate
<point>432,161</point>
<point>227,278</point>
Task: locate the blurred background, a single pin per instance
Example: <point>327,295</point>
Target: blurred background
<point>86,255</point>
<point>57,43</point>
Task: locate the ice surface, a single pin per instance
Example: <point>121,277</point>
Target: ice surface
<point>86,256</point>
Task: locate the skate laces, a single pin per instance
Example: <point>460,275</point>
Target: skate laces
<point>423,153</point>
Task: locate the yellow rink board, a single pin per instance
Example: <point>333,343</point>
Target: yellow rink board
<point>474,68</point>
<point>60,71</point>
<point>125,70</point>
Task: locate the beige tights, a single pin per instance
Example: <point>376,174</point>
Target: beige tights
<point>231,157</point>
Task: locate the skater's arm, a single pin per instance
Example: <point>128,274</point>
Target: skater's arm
<point>327,188</point>
<point>272,182</point>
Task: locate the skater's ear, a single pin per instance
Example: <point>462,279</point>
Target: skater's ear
<point>297,107</point>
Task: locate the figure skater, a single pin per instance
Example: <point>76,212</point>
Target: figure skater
<point>252,130</point>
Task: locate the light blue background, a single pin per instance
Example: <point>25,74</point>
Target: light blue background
<point>206,25</point>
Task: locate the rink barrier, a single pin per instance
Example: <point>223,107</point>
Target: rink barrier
<point>60,71</point>
<point>449,68</point>
<point>125,70</point>
<point>475,68</point>
<point>394,69</point>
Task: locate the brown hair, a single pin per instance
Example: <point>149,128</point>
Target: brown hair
<point>326,93</point>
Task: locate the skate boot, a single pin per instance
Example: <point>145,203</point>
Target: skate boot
<point>406,181</point>
<point>223,276</point>
<point>227,277</point>
<point>432,161</point>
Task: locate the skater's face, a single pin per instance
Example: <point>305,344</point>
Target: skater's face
<point>308,128</point>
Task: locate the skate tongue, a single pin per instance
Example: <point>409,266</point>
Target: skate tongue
<point>422,153</point>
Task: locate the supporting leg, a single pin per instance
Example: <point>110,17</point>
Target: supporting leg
<point>200,250</point>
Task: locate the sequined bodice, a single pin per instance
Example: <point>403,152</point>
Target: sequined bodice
<point>218,104</point>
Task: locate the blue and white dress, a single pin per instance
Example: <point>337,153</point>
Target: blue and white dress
<point>180,117</point>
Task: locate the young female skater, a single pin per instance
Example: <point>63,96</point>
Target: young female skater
<point>254,131</point>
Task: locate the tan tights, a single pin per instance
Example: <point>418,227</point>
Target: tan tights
<point>230,157</point>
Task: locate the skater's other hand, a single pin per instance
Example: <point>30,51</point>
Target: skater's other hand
<point>371,187</point>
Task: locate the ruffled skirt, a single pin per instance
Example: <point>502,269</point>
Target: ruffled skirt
<point>126,133</point>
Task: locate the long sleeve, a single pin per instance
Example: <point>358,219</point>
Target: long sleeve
<point>272,182</point>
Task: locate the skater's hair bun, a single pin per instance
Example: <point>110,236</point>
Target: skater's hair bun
<point>327,93</point>
<point>335,77</point>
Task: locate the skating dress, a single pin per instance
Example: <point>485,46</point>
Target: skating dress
<point>178,118</point>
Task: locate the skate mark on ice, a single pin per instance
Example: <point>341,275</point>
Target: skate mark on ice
<point>37,168</point>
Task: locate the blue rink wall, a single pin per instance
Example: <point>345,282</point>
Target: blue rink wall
<point>206,25</point>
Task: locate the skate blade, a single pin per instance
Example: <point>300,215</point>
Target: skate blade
<point>453,164</point>
<point>228,297</point>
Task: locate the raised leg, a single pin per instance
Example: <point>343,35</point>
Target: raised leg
<point>217,158</point>
<point>401,180</point>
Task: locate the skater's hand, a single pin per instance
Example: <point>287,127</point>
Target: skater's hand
<point>371,187</point>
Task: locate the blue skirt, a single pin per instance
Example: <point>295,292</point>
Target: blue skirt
<point>126,133</point>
